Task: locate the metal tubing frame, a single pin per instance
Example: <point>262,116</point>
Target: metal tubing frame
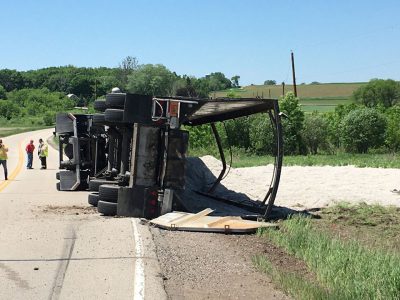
<point>271,195</point>
<point>222,156</point>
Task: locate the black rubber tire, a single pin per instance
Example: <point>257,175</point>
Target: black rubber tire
<point>95,183</point>
<point>109,192</point>
<point>114,115</point>
<point>115,100</point>
<point>58,187</point>
<point>93,199</point>
<point>107,208</point>
<point>58,175</point>
<point>99,119</point>
<point>99,105</point>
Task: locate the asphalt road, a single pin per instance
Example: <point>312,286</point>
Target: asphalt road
<point>54,246</point>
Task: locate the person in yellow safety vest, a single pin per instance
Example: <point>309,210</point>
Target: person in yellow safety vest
<point>43,153</point>
<point>3,158</point>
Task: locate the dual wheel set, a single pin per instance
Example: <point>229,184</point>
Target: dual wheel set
<point>104,192</point>
<point>104,196</point>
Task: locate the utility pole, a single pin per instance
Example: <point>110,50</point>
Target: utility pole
<point>294,75</point>
<point>283,89</point>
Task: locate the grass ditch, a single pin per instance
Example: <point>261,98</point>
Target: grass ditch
<point>7,131</point>
<point>352,252</point>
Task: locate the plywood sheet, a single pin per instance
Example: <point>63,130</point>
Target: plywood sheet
<point>202,222</point>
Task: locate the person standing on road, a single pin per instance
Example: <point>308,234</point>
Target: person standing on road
<point>3,158</point>
<point>43,153</point>
<point>29,154</point>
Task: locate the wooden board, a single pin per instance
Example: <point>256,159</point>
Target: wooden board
<point>202,222</point>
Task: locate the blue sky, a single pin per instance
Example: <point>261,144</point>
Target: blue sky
<point>333,41</point>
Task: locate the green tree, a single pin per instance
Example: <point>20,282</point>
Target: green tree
<point>2,92</point>
<point>270,82</point>
<point>293,124</point>
<point>8,109</point>
<point>35,102</point>
<point>11,79</point>
<point>151,80</point>
<point>126,68</point>
<point>237,132</point>
<point>392,135</point>
<point>378,92</point>
<point>334,120</point>
<point>362,129</point>
<point>49,118</point>
<point>315,132</point>
<point>235,81</point>
<point>261,134</point>
<point>82,86</point>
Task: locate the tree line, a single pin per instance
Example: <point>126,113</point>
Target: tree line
<point>34,96</point>
<point>372,123</point>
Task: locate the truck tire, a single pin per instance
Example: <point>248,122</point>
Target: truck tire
<point>114,115</point>
<point>107,208</point>
<point>58,175</point>
<point>109,192</point>
<point>99,105</point>
<point>115,100</point>
<point>93,199</point>
<point>95,183</point>
<point>99,119</point>
<point>58,186</point>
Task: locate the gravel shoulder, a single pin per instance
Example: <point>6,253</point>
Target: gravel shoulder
<point>211,266</point>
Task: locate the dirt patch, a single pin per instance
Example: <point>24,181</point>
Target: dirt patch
<point>373,226</point>
<point>211,266</point>
<point>284,262</point>
<point>68,210</point>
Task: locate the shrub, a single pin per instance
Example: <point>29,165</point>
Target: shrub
<point>334,120</point>
<point>49,118</point>
<point>361,129</point>
<point>315,132</point>
<point>261,134</point>
<point>378,91</point>
<point>293,125</point>
<point>392,135</point>
<point>237,132</point>
<point>200,136</point>
<point>8,109</point>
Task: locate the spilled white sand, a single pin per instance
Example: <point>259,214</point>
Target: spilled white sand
<point>314,187</point>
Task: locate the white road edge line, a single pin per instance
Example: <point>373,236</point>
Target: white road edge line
<point>138,291</point>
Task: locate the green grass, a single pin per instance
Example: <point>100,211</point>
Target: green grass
<point>303,91</point>
<point>343,269</point>
<point>313,97</point>
<point>326,104</point>
<point>7,131</point>
<point>293,284</point>
<point>242,159</point>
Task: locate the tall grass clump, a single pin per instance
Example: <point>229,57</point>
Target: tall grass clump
<point>345,268</point>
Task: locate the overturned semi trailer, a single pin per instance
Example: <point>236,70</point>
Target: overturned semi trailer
<point>133,154</point>
<point>156,162</point>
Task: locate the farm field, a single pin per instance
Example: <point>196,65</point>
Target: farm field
<point>313,97</point>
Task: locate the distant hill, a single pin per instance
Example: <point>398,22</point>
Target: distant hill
<point>321,97</point>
